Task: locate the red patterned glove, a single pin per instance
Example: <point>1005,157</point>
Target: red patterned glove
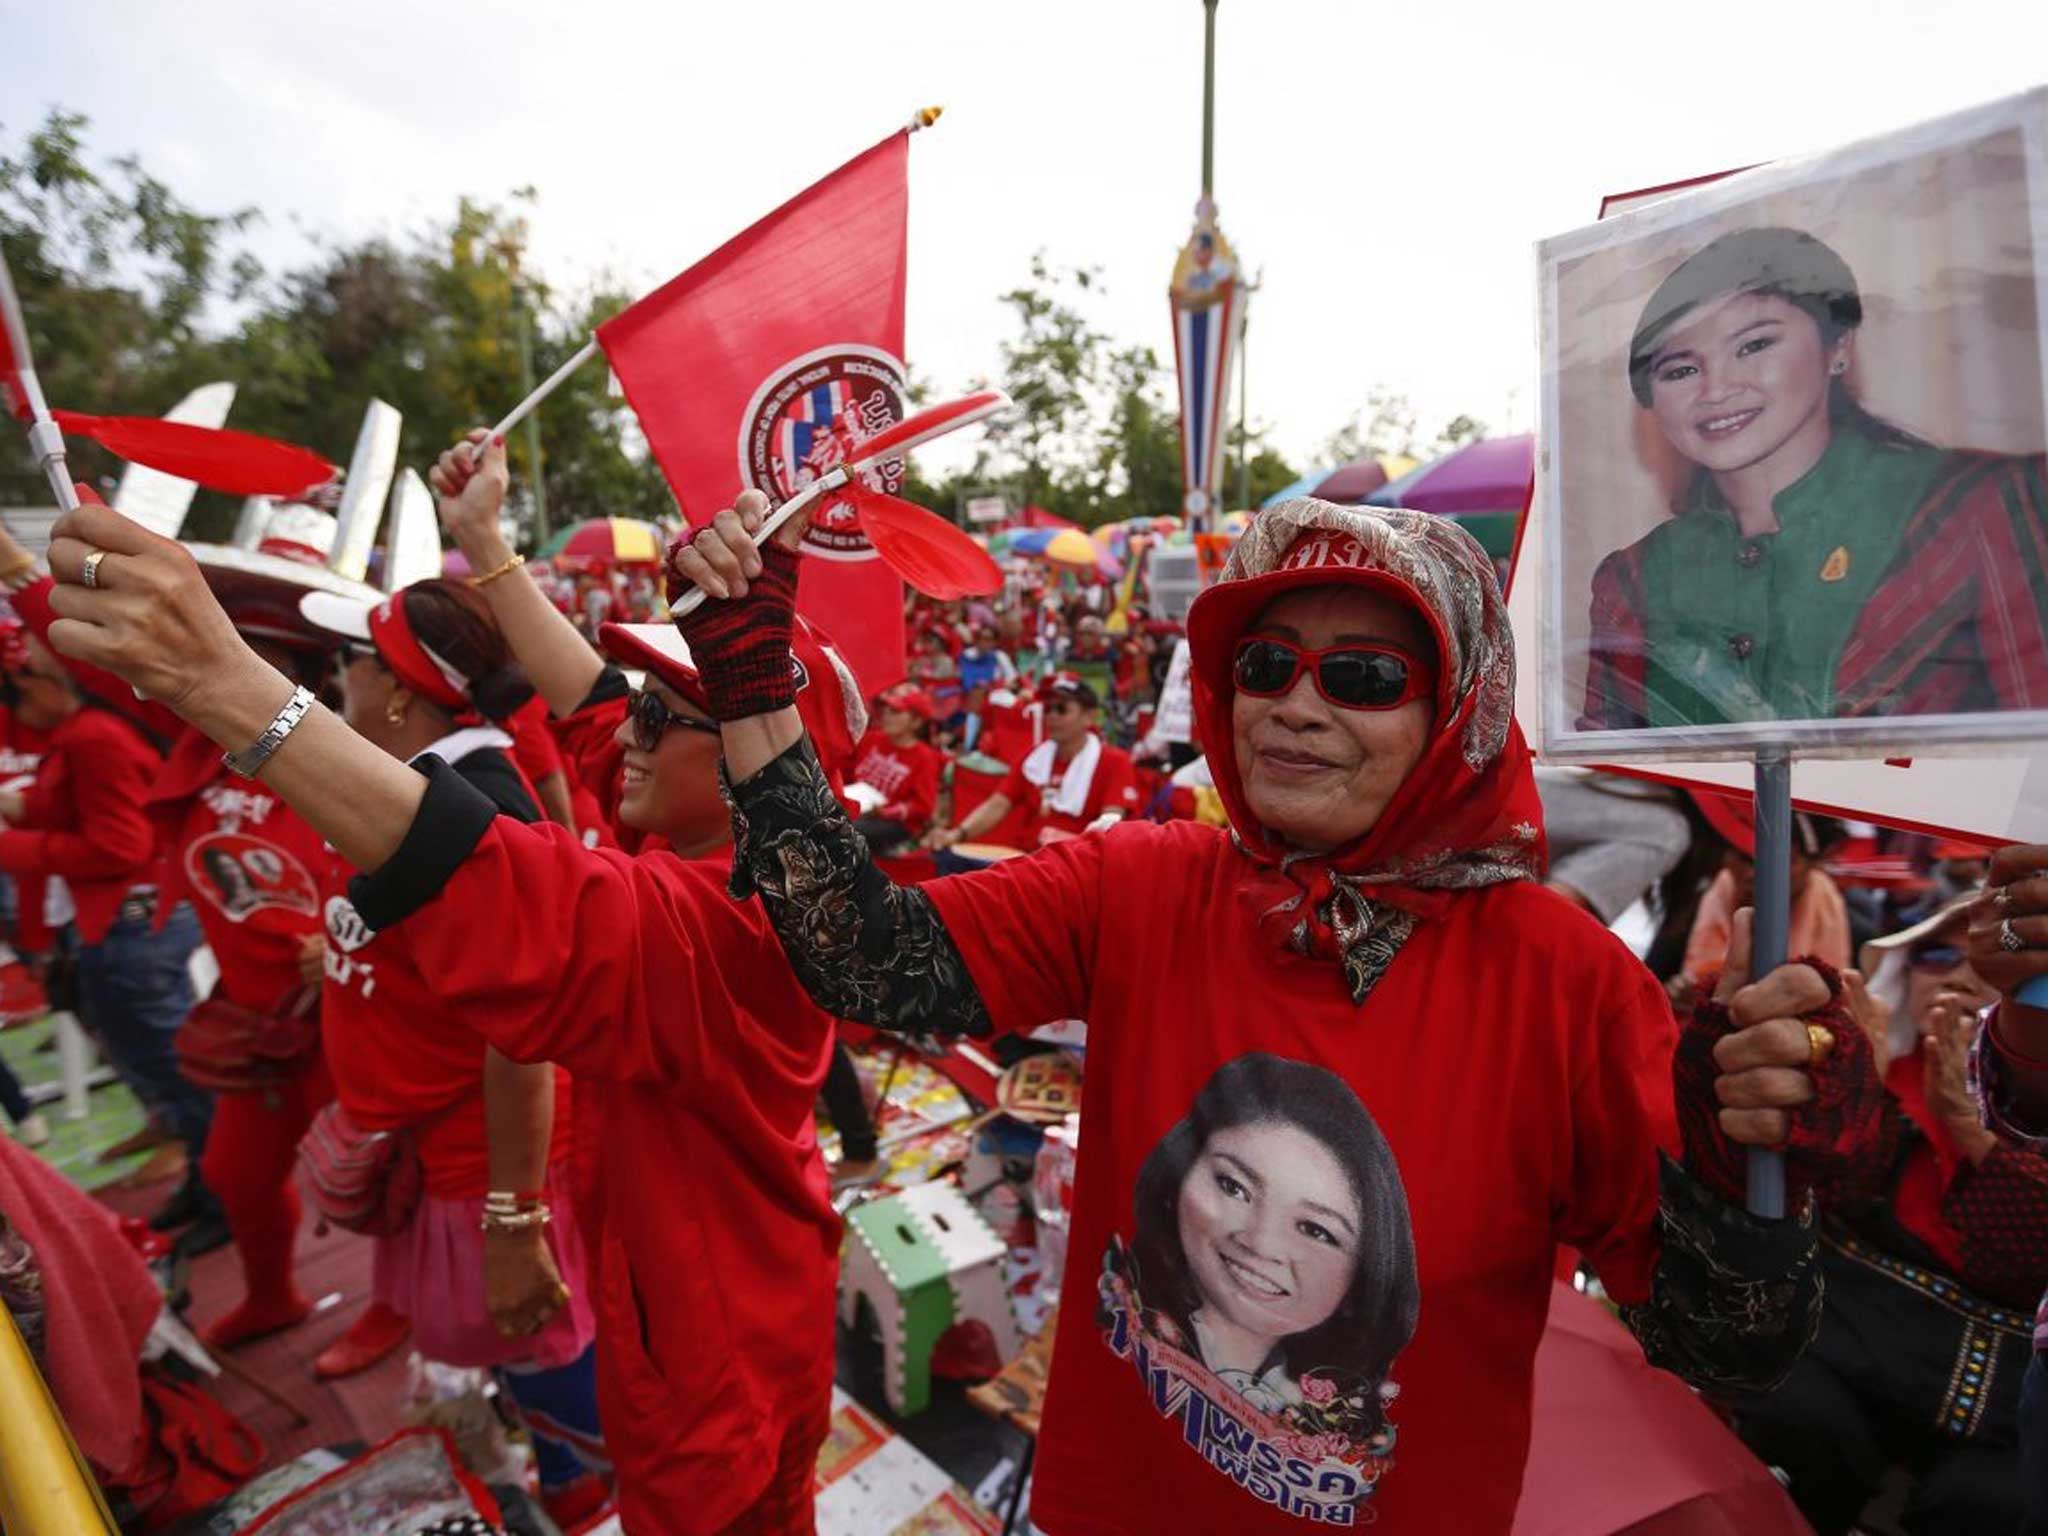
<point>741,645</point>
<point>1830,1135</point>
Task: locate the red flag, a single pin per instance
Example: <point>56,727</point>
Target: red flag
<point>765,362</point>
<point>220,458</point>
<point>14,354</point>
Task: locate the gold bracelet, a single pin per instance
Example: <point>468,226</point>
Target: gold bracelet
<point>508,564</point>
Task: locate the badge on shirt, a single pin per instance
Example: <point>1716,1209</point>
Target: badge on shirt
<point>1838,564</point>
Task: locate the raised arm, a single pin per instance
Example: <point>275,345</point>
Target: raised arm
<point>864,948</point>
<point>561,664</point>
<point>151,621</point>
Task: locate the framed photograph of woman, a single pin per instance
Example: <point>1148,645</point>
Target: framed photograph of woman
<point>1793,489</point>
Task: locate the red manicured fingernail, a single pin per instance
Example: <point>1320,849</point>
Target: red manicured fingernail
<point>498,440</point>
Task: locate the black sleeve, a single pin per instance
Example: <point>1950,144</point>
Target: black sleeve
<point>1735,1298</point>
<point>611,684</point>
<point>865,948</point>
<point>452,819</point>
<point>492,773</point>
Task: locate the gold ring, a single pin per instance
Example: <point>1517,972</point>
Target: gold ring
<point>1820,1043</point>
<point>89,573</point>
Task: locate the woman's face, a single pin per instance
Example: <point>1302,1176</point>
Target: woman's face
<point>1937,966</point>
<point>1270,1226</point>
<point>1742,378</point>
<point>366,689</point>
<point>1315,774</point>
<point>899,725</point>
<point>673,790</point>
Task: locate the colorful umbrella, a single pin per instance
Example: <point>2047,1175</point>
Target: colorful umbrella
<point>1070,546</point>
<point>1492,475</point>
<point>606,541</point>
<point>1026,541</point>
<point>1357,480</point>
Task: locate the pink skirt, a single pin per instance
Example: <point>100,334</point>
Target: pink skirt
<point>433,1273</point>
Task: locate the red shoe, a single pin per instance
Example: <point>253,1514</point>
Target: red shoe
<point>149,1244</point>
<point>249,1322</point>
<point>574,1505</point>
<point>372,1336</point>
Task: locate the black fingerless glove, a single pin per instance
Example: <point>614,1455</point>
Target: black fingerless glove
<point>741,645</point>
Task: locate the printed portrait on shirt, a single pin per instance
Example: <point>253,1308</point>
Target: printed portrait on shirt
<point>1794,478</point>
<point>243,875</point>
<point>1267,1284</point>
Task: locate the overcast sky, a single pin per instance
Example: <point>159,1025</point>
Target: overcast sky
<point>1386,166</point>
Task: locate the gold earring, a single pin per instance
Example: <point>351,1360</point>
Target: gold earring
<point>394,713</point>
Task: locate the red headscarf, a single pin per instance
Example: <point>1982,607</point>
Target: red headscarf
<point>1467,815</point>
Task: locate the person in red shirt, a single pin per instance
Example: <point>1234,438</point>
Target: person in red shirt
<point>706,1194</point>
<point>487,1276</point>
<point>82,821</point>
<point>896,761</point>
<point>1071,782</point>
<point>1354,1075</point>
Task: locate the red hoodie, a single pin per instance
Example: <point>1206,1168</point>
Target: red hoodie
<point>83,817</point>
<point>699,1056</point>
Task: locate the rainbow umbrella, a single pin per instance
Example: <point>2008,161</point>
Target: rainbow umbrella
<point>1070,546</point>
<point>606,541</point>
<point>1027,541</point>
<point>1357,480</point>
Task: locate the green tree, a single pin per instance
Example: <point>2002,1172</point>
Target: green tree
<point>115,275</point>
<point>1050,370</point>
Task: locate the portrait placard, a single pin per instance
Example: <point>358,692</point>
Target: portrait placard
<point>1792,489</point>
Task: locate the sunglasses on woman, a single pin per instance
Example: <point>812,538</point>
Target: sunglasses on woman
<point>1935,955</point>
<point>1349,676</point>
<point>651,718</point>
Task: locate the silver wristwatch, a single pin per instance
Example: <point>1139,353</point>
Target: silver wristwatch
<point>252,757</point>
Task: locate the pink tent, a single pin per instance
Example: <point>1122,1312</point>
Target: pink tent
<point>1620,1449</point>
<point>1038,517</point>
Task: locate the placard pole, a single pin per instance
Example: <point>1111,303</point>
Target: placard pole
<point>1770,935</point>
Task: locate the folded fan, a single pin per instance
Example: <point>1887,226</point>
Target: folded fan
<point>906,533</point>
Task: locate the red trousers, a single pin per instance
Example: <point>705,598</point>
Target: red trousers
<point>250,1156</point>
<point>786,1506</point>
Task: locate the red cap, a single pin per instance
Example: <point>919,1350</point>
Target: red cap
<point>827,695</point>
<point>1221,615</point>
<point>913,700</point>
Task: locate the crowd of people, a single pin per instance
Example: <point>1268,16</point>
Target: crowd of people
<point>537,922</point>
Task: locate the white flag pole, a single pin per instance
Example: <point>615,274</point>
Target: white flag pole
<point>546,387</point>
<point>45,438</point>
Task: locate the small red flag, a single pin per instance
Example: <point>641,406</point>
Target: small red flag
<point>767,361</point>
<point>14,353</point>
<point>238,463</point>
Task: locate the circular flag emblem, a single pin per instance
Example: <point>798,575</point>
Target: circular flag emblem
<point>804,422</point>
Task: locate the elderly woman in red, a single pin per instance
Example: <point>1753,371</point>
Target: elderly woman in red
<point>1490,1067</point>
<point>1354,1075</point>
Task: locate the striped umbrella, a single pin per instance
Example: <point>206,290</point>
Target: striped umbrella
<point>606,541</point>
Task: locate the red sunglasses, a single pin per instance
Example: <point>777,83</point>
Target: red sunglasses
<point>1349,676</point>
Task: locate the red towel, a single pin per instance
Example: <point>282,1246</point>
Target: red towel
<point>101,1303</point>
